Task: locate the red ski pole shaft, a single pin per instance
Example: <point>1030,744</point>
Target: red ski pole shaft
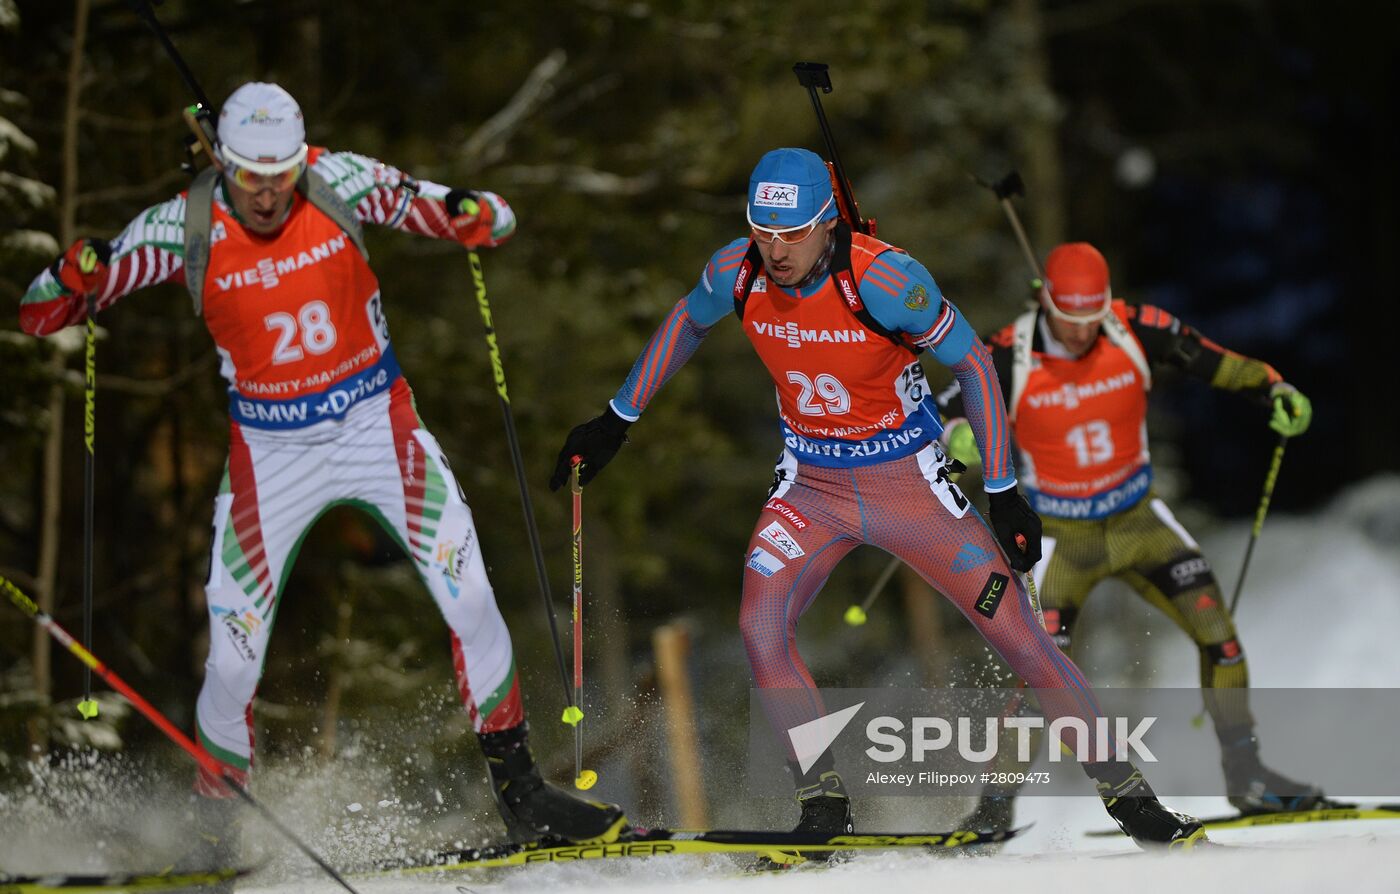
<point>26,605</point>
<point>206,760</point>
<point>577,490</point>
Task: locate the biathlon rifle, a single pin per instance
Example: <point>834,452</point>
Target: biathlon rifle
<point>815,76</point>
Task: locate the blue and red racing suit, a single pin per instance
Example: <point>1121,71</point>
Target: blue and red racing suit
<point>861,462</point>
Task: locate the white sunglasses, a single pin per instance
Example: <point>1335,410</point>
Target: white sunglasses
<point>1078,319</point>
<point>787,235</point>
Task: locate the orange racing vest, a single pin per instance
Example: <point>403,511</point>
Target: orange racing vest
<point>1081,425</point>
<point>847,395</point>
<point>297,319</point>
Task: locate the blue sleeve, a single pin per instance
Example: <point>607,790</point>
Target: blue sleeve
<point>679,336</point>
<point>712,299</point>
<point>986,413</point>
<point>900,293</point>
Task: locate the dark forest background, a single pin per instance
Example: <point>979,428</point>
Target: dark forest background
<point>1233,159</point>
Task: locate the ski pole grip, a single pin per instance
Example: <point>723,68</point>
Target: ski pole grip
<point>1010,185</point>
<point>813,75</point>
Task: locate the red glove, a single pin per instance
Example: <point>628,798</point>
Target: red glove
<point>83,267</point>
<point>480,219</point>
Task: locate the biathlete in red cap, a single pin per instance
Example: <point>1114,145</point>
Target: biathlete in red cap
<point>1075,373</point>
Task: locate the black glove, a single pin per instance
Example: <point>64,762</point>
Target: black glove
<point>1017,528</point>
<point>596,442</point>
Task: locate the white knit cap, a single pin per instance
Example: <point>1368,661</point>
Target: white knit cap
<point>261,129</point>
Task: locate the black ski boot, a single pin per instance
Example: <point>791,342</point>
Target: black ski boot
<point>826,810</point>
<point>1135,808</point>
<point>1254,788</point>
<point>533,808</point>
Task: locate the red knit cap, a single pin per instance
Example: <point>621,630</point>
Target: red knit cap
<point>1076,278</point>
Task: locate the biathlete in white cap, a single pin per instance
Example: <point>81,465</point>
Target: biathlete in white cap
<point>838,319</point>
<point>269,244</point>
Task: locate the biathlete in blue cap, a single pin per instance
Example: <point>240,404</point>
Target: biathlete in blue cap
<point>839,319</point>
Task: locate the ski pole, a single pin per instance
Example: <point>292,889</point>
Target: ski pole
<point>207,761</point>
<point>573,715</point>
<point>145,13</point>
<point>1005,188</point>
<point>1030,586</point>
<point>88,262</point>
<point>199,116</point>
<point>814,76</point>
<point>1263,510</point>
<point>1035,598</point>
<point>499,373</point>
<point>1259,514</point>
<point>855,615</point>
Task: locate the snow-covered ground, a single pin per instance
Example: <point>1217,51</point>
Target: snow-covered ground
<point>1322,609</point>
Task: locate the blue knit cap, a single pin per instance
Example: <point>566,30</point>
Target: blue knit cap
<point>789,188</point>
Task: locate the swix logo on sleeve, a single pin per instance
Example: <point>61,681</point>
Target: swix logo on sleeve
<point>776,195</point>
<point>268,271</point>
<point>1069,395</point>
<point>795,336</point>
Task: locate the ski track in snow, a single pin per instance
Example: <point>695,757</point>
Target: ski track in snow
<point>1297,631</point>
